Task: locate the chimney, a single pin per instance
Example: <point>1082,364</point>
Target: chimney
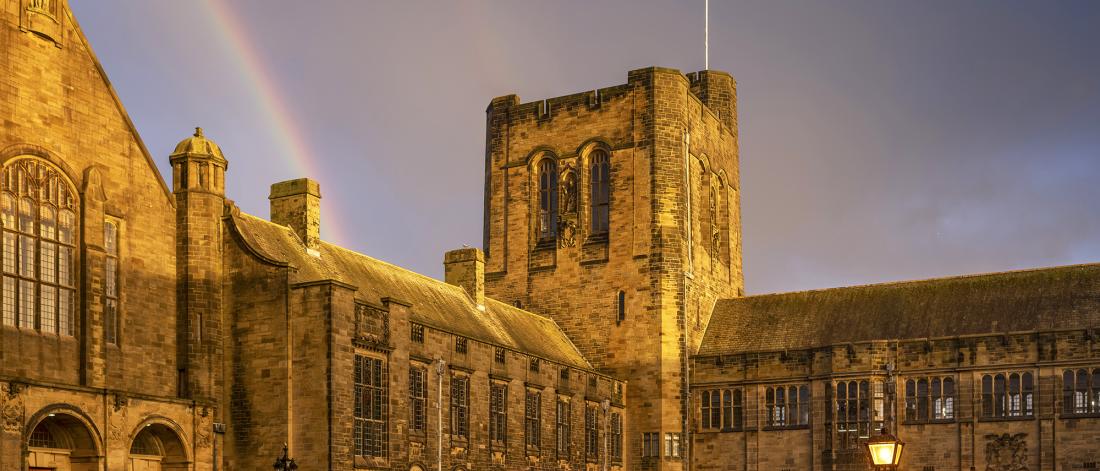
<point>297,205</point>
<point>465,267</point>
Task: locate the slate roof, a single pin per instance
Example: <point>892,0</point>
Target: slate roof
<point>1056,298</point>
<point>434,303</point>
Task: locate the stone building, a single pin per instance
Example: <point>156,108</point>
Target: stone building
<point>150,324</point>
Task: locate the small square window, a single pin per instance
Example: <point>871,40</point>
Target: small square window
<point>417,333</point>
<point>534,365</point>
<point>498,355</point>
<point>591,381</point>
<point>564,374</point>
<point>460,345</point>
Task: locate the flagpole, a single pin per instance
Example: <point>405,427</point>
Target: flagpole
<point>706,35</point>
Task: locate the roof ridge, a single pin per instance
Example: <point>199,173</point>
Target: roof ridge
<point>899,283</point>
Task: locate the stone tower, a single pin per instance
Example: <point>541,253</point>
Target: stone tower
<point>198,182</point>
<point>633,289</point>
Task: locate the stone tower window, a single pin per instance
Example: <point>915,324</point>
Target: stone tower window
<point>548,200</point>
<point>38,212</point>
<point>600,170</point>
<point>110,283</point>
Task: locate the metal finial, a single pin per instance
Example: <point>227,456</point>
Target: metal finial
<point>198,131</point>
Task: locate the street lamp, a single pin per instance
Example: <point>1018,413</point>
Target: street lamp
<point>885,450</point>
<point>284,463</point>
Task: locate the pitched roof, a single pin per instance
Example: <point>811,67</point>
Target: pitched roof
<point>1054,298</point>
<point>434,303</point>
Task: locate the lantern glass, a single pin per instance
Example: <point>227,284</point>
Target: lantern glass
<point>882,453</point>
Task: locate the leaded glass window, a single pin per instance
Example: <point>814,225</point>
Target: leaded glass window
<point>38,214</point>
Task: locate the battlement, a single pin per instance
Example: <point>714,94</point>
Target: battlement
<point>716,90</point>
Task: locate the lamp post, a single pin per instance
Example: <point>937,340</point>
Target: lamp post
<point>885,449</point>
<point>285,463</point>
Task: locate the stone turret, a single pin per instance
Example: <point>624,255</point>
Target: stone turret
<point>198,183</point>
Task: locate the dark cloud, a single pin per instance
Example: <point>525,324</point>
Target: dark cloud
<point>881,140</point>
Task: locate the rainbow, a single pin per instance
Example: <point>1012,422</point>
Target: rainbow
<point>284,129</point>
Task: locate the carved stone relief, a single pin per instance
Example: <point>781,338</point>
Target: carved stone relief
<point>1006,452</point>
<point>12,411</point>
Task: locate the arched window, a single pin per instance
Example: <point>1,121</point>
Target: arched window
<point>600,170</point>
<point>38,214</point>
<point>548,199</point>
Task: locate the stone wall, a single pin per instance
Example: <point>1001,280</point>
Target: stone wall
<point>1047,440</point>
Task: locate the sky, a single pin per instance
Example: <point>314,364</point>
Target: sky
<point>880,140</point>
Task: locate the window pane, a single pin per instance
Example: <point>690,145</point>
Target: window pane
<point>47,224</point>
<point>47,309</point>
<point>66,322</point>
<point>26,216</point>
<point>9,298</point>
<point>47,262</point>
<point>9,252</point>
<point>26,256</point>
<point>66,226</point>
<point>26,304</point>
<point>7,211</point>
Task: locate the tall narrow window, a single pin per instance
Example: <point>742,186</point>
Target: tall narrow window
<point>564,429</point>
<point>370,407</point>
<point>37,210</point>
<point>548,200</point>
<point>532,418</point>
<point>498,416</point>
<point>418,399</point>
<point>591,432</point>
<point>460,407</point>
<point>616,437</point>
<point>600,167</point>
<point>854,405</point>
<point>110,282</point>
<point>621,307</point>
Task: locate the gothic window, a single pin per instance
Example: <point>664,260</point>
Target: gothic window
<point>418,399</point>
<point>564,428</point>
<point>929,399</point>
<point>1081,392</point>
<point>859,407</point>
<point>110,281</point>
<point>43,437</point>
<point>498,415</point>
<point>616,437</point>
<point>787,406</point>
<point>600,185</point>
<point>1008,395</point>
<point>38,212</point>
<point>460,407</point>
<point>532,418</point>
<point>548,199</point>
<point>370,407</point>
<point>591,432</point>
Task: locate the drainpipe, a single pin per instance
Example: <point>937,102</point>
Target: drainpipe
<point>440,368</point>
<point>606,432</point>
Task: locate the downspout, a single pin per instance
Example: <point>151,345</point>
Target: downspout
<point>439,451</point>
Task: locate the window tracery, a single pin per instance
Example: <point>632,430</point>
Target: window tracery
<point>38,215</point>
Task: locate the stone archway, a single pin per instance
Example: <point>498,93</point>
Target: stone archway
<point>62,442</point>
<point>157,447</point>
